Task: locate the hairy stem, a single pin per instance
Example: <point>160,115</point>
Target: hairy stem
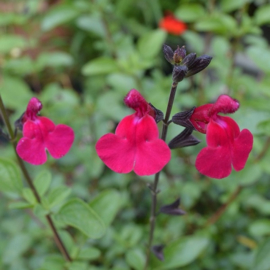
<point>57,237</point>
<point>154,188</point>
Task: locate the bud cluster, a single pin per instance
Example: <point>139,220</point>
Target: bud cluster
<point>184,65</point>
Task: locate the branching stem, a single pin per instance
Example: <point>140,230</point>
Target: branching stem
<point>57,237</point>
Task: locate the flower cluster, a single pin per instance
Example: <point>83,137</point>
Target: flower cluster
<point>226,145</point>
<point>135,144</point>
<point>39,134</point>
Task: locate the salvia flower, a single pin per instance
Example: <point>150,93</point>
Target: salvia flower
<point>226,145</point>
<point>172,25</point>
<point>135,144</point>
<point>39,134</point>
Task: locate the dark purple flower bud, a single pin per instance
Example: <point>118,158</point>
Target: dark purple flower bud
<point>189,60</point>
<point>158,113</point>
<point>198,65</point>
<point>168,53</point>
<point>172,209</point>
<point>179,55</point>
<point>158,251</point>
<point>184,139</point>
<point>179,73</point>
<point>183,118</point>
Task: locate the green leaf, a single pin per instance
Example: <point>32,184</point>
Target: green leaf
<point>57,195</point>
<point>262,14</point>
<point>16,247</point>
<point>231,5</point>
<point>80,215</point>
<point>101,65</point>
<point>13,87</point>
<point>57,16</point>
<point>262,258</point>
<point>29,196</point>
<point>135,258</point>
<point>42,182</point>
<point>218,23</point>
<point>19,205</point>
<point>10,178</point>
<point>40,211</point>
<point>190,12</point>
<point>259,227</point>
<point>107,204</point>
<point>53,59</point>
<point>8,42</point>
<point>88,254</point>
<point>182,252</point>
<point>150,44</point>
<point>260,56</point>
<point>92,23</point>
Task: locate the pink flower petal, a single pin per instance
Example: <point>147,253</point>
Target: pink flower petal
<point>152,153</point>
<point>59,141</point>
<point>134,146</point>
<point>41,134</point>
<point>242,147</point>
<point>224,104</point>
<point>32,150</point>
<point>214,162</point>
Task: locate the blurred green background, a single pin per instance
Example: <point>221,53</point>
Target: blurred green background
<point>80,58</point>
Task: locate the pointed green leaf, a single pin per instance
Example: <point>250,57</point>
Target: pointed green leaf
<point>89,254</point>
<point>135,258</point>
<point>29,196</point>
<point>101,65</point>
<point>42,182</point>
<point>190,12</point>
<point>107,204</point>
<point>57,16</point>
<point>19,205</point>
<point>150,44</point>
<point>57,195</point>
<point>262,14</point>
<point>10,178</point>
<point>80,215</point>
<point>182,252</point>
<point>262,258</point>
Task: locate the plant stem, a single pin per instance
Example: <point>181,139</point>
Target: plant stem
<point>154,189</point>
<point>57,237</point>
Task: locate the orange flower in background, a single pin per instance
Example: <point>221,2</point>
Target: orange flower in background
<point>172,25</point>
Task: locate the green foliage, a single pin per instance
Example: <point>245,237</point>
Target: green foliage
<point>78,214</point>
<point>80,58</point>
<point>10,176</point>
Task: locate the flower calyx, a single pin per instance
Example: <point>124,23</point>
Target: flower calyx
<point>185,65</point>
<point>184,139</point>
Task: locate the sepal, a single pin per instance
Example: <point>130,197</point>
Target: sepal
<point>184,139</point>
<point>172,209</point>
<point>179,73</point>
<point>183,118</point>
<point>168,53</point>
<point>158,251</point>
<point>198,65</point>
<point>158,113</point>
<point>19,123</point>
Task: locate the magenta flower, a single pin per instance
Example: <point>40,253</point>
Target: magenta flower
<point>135,144</point>
<point>226,145</point>
<point>39,134</point>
